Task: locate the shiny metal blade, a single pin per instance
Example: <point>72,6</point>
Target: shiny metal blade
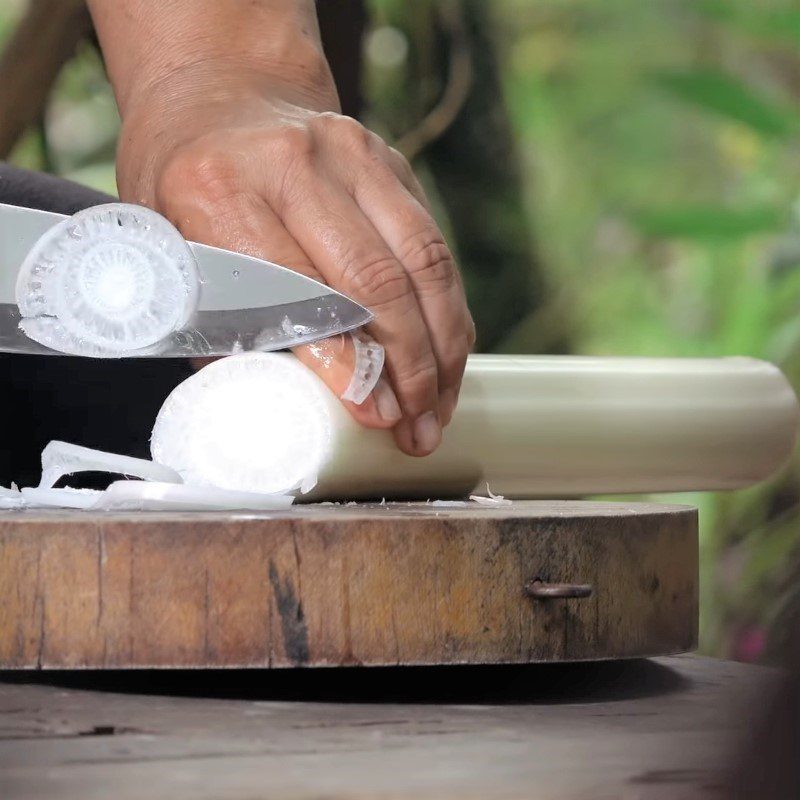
<point>221,333</point>
<point>20,228</point>
<point>245,303</point>
<point>231,281</point>
<point>13,340</point>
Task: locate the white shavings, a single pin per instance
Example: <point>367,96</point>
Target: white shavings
<point>308,483</point>
<point>152,496</point>
<point>369,357</point>
<point>491,500</point>
<point>61,458</point>
<point>449,503</point>
<point>36,497</point>
<point>11,498</point>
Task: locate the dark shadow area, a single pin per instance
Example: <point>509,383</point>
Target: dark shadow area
<point>523,684</point>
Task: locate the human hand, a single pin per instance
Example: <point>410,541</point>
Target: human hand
<point>273,170</point>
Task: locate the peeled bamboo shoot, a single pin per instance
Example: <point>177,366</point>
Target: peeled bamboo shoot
<point>528,426</point>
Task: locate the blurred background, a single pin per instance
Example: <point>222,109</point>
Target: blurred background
<point>617,177</point>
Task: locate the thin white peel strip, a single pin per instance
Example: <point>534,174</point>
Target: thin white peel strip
<point>369,358</point>
<point>152,496</point>
<point>62,458</point>
<point>449,503</point>
<point>491,500</point>
<point>307,484</point>
<point>36,497</point>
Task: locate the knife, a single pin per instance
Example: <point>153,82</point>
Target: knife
<point>118,280</point>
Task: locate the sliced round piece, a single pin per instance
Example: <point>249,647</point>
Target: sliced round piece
<point>369,358</point>
<point>109,280</point>
<point>62,458</point>
<point>253,422</point>
<point>142,496</point>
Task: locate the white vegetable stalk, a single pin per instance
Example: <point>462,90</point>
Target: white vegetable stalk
<point>529,426</point>
<point>109,280</point>
<point>253,422</point>
<point>61,458</point>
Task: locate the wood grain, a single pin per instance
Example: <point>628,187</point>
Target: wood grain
<point>345,585</point>
<point>637,730</point>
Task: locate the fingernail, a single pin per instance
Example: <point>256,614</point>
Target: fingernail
<point>427,432</point>
<point>447,405</point>
<point>386,401</point>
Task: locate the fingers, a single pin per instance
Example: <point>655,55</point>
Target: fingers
<point>248,225</point>
<point>333,360</point>
<point>329,199</point>
<point>417,243</point>
<point>352,256</point>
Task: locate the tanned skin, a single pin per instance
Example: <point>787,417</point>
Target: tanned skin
<point>231,128</point>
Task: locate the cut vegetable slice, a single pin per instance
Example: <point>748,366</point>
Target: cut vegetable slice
<point>369,357</point>
<point>62,458</point>
<point>141,496</point>
<point>252,422</point>
<point>111,279</point>
<point>59,498</point>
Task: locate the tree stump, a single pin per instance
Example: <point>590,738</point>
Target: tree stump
<point>327,585</point>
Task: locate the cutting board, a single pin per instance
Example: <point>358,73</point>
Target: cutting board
<point>327,585</point>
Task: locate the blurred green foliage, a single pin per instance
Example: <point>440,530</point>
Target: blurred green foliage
<point>659,146</point>
<point>662,151</point>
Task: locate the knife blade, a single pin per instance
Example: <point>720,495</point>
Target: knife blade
<point>244,303</point>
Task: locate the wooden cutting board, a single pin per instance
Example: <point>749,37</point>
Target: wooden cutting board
<point>365,584</point>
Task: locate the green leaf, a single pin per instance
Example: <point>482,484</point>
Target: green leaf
<point>728,97</point>
<point>708,222</point>
<point>782,24</point>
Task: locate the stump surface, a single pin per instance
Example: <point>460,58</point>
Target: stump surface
<point>346,585</point>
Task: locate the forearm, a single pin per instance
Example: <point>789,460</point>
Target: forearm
<point>147,43</point>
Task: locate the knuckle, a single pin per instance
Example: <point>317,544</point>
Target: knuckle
<point>471,333</point>
<point>295,143</point>
<point>208,176</point>
<point>400,162</point>
<point>452,366</point>
<point>429,261</point>
<point>450,371</point>
<point>378,280</point>
<point>349,132</point>
<point>417,377</point>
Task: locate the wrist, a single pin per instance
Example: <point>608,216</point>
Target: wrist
<point>301,76</point>
<point>149,45</point>
<point>203,97</point>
